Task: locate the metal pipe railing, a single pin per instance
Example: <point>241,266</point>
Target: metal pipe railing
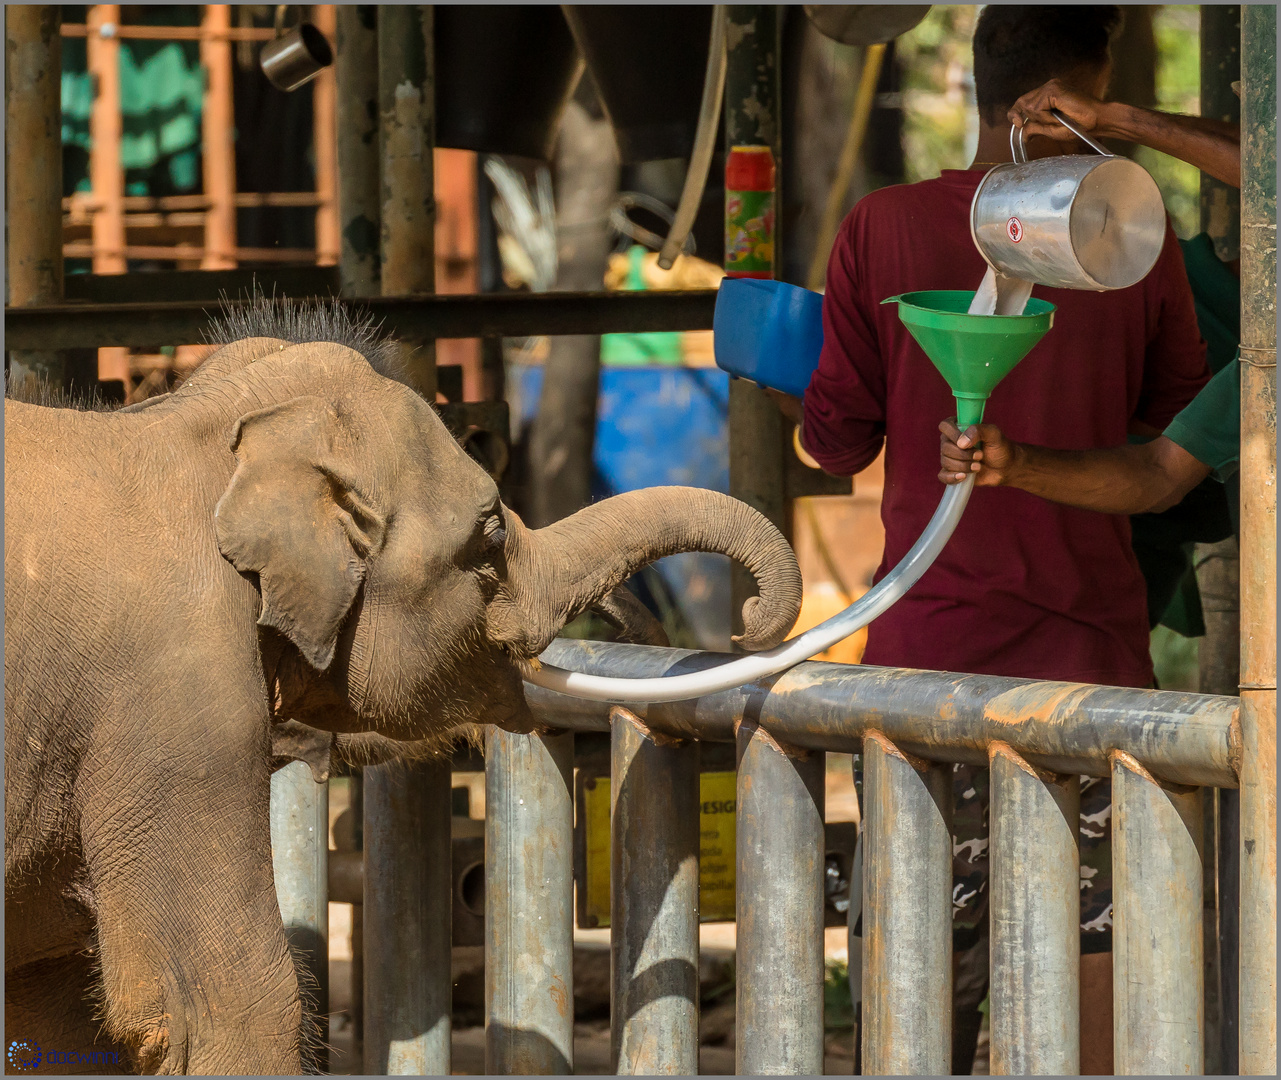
<point>1158,974</point>
<point>1035,918</point>
<point>653,901</point>
<point>1067,728</point>
<point>779,906</point>
<point>529,904</point>
<point>907,914</point>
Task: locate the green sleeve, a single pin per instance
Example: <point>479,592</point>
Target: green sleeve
<point>1210,427</point>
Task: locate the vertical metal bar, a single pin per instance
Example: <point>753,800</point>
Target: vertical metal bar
<point>33,193</point>
<point>756,428</point>
<point>408,903</point>
<point>218,132</point>
<point>1157,973</point>
<point>407,135</point>
<point>1035,918</point>
<point>1217,564</point>
<point>324,140</point>
<point>1258,1054</point>
<point>653,901</point>
<point>907,913</point>
<point>300,859</point>
<point>781,861</point>
<point>1228,830</point>
<point>529,904</point>
<point>359,188</point>
<point>408,872</point>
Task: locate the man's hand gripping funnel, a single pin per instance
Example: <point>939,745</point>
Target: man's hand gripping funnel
<point>973,352</point>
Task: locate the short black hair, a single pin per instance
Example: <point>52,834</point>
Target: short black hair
<point>1020,47</point>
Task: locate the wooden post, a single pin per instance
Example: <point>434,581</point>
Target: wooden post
<point>325,142</point>
<point>757,430</point>
<point>217,121</point>
<point>33,173</point>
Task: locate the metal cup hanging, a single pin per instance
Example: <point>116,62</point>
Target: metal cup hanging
<point>296,57</point>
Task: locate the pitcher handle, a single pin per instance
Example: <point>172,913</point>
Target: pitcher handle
<point>1018,153</point>
<point>1079,134</point>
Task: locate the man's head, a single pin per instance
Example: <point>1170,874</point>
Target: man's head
<point>1018,48</point>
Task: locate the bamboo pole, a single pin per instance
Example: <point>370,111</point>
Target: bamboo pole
<point>106,175</point>
<point>325,141</point>
<point>217,123</point>
<point>1258,971</point>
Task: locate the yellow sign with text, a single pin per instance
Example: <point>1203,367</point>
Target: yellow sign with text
<point>716,848</point>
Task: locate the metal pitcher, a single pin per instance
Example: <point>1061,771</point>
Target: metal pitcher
<point>292,60</point>
<point>1071,222</point>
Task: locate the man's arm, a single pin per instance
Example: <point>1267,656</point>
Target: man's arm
<point>1125,480</point>
<point>1213,146</point>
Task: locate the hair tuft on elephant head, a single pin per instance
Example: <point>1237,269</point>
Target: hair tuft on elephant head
<point>290,535</point>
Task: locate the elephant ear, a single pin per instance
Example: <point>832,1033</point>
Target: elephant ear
<point>294,516</point>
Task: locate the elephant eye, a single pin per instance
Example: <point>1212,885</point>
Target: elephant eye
<point>495,532</point>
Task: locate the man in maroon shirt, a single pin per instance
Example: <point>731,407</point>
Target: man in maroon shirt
<point>1025,587</point>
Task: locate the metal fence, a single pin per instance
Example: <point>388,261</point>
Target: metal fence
<point>1038,738</point>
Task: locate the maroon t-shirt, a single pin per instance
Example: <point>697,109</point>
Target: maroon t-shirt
<point>1025,587</point>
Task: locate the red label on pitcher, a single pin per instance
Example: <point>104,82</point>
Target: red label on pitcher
<point>1014,228</point>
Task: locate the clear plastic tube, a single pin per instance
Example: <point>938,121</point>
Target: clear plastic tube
<point>747,669</point>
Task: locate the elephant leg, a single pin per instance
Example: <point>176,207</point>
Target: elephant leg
<point>51,1005</point>
<point>196,971</point>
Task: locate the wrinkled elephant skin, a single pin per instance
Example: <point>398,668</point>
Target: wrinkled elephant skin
<point>290,535</point>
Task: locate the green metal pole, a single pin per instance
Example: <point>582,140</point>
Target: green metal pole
<point>1258,1045</point>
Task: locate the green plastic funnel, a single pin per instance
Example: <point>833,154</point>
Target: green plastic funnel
<point>972,352</point>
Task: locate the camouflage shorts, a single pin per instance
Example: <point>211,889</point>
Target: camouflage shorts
<point>970,851</point>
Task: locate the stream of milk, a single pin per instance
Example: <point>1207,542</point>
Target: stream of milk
<point>1000,295</point>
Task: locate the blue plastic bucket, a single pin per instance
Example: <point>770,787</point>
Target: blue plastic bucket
<point>769,332</point>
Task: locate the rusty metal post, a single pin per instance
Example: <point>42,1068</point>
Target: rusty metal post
<point>907,913</point>
<point>756,428</point>
<point>1035,918</point>
<point>300,860</point>
<point>529,904</point>
<point>1258,987</point>
<point>218,133</point>
<point>779,890</point>
<point>33,170</point>
<point>407,910</point>
<point>653,901</point>
<point>407,136</point>
<point>1157,976</point>
<point>359,188</point>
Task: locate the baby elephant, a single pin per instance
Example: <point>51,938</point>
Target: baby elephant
<point>290,535</point>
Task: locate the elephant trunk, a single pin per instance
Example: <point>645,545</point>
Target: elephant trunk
<point>554,574</point>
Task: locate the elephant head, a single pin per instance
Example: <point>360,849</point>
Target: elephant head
<point>398,594</point>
